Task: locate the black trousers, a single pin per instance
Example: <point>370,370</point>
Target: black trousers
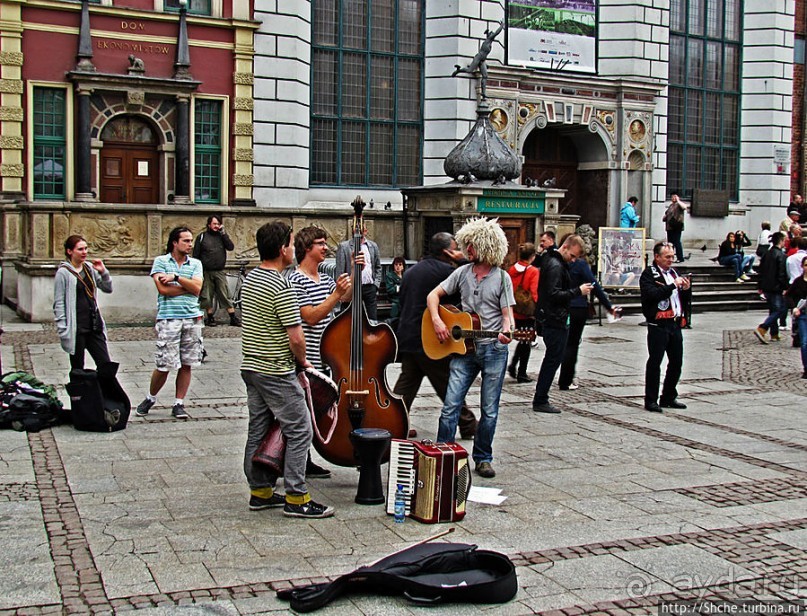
<point>369,296</point>
<point>577,322</point>
<point>663,337</point>
<point>95,344</point>
<point>674,238</point>
<point>414,366</point>
<point>521,356</point>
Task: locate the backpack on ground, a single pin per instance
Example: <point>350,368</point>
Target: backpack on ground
<point>27,404</point>
<point>426,574</point>
<point>98,402</point>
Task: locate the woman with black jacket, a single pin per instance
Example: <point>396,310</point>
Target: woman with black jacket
<point>731,255</point>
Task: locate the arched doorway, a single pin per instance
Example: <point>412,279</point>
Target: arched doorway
<point>129,162</point>
<point>577,159</point>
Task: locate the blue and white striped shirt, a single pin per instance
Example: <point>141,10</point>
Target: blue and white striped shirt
<point>182,306</point>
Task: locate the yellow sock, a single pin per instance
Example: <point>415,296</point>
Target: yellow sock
<point>262,492</point>
<point>297,499</point>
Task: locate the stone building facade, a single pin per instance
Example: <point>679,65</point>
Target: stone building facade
<point>603,136</point>
<point>308,103</point>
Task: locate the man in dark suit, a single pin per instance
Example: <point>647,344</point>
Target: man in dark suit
<point>370,272</point>
<point>664,295</point>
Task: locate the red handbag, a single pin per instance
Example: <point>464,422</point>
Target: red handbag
<point>272,450</point>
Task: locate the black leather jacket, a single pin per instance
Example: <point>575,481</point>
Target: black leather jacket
<point>773,271</point>
<point>555,291</point>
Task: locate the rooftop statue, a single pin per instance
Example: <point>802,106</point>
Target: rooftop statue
<point>479,61</point>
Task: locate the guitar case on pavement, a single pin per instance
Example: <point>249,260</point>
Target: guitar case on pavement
<point>98,402</point>
<point>426,574</point>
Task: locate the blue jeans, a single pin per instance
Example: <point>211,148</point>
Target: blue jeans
<point>776,308</point>
<point>555,340</point>
<point>802,321</point>
<point>735,261</point>
<point>491,360</point>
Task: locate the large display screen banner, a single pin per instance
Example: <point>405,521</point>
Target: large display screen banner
<point>553,34</point>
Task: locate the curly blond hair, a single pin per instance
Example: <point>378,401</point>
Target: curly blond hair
<point>487,238</point>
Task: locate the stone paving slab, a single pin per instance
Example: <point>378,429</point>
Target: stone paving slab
<point>602,499</point>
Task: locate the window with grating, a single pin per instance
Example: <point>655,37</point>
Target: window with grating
<point>49,142</point>
<point>703,139</point>
<point>366,92</point>
<point>207,151</point>
<point>195,7</point>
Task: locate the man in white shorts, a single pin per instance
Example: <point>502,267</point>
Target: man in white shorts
<point>178,278</point>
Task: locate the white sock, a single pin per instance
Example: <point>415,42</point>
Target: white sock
<point>179,401</point>
<point>151,398</point>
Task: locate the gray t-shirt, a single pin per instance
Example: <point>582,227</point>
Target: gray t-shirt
<point>485,297</point>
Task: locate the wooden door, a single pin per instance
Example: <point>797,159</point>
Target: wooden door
<point>129,174</point>
<point>518,231</point>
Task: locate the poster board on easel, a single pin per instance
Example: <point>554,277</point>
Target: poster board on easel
<point>621,257</point>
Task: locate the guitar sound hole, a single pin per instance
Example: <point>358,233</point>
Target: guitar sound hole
<point>456,332</point>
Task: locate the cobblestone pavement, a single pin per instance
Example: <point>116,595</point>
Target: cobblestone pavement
<point>609,510</point>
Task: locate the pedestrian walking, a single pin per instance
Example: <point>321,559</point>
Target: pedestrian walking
<point>773,282</point>
<point>628,218</point>
<point>525,282</point>
<point>797,296</point>
<point>555,293</point>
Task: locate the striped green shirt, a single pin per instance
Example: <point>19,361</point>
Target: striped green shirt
<point>269,306</point>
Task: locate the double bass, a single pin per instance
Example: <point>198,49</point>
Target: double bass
<point>358,353</point>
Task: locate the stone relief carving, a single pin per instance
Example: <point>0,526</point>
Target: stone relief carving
<point>607,119</point>
<point>526,111</point>
<point>638,136</point>
<point>113,236</point>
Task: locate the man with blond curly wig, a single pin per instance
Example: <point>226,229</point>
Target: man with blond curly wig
<point>486,290</point>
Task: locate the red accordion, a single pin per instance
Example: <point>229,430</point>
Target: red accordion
<point>436,479</point>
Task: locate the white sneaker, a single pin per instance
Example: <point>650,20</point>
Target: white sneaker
<point>745,278</point>
<point>740,280</point>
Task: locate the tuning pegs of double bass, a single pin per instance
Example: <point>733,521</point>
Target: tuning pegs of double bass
<point>358,205</point>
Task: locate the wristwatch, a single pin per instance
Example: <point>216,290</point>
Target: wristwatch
<point>176,277</point>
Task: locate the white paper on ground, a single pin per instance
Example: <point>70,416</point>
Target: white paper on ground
<point>486,496</point>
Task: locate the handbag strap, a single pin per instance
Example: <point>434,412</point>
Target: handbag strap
<point>524,275</point>
<point>88,288</point>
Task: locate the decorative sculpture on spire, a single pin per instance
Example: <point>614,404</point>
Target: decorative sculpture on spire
<point>479,61</point>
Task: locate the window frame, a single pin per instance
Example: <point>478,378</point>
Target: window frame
<point>221,150</point>
<point>342,122</point>
<point>214,8</point>
<point>66,142</point>
<point>696,150</point>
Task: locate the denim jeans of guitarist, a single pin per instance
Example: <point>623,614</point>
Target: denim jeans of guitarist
<point>491,360</point>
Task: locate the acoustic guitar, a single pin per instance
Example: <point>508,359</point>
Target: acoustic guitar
<point>464,328</point>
